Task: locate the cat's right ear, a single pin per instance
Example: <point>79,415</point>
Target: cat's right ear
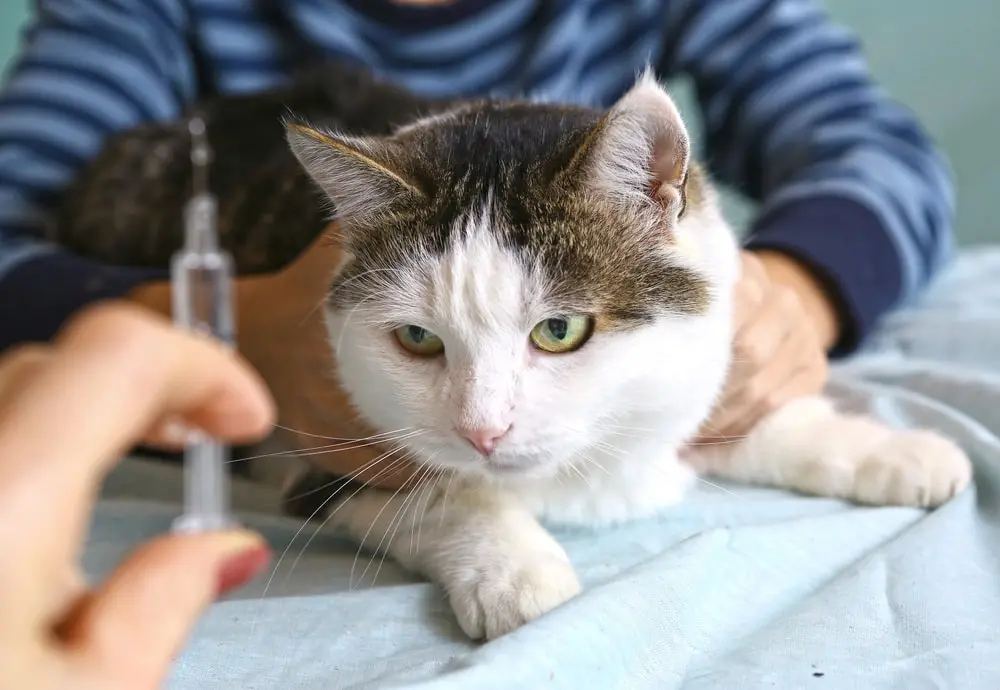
<point>639,152</point>
<point>360,175</point>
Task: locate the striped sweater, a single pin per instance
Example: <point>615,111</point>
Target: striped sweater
<point>847,180</point>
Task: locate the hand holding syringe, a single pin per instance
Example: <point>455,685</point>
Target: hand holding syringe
<point>201,276</point>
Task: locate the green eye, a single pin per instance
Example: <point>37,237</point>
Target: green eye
<point>419,341</point>
<point>560,335</point>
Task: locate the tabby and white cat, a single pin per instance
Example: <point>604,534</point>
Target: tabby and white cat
<point>540,293</point>
<point>523,283</point>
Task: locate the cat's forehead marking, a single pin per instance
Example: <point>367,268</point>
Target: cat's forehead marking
<point>479,287</point>
<point>505,159</point>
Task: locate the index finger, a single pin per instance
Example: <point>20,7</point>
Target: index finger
<point>114,372</point>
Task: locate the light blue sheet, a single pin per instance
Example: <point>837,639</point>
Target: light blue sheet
<point>737,588</point>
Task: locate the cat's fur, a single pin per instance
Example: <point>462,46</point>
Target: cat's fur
<point>127,206</point>
<point>477,223</point>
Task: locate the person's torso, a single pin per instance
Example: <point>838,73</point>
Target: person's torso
<point>584,51</point>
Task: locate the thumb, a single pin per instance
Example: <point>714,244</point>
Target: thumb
<point>136,622</point>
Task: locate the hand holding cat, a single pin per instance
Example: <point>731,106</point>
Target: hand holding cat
<point>779,352</point>
<point>283,335</point>
<point>67,412</point>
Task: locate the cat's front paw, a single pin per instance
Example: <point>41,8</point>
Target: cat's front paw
<point>912,468</point>
<point>491,602</point>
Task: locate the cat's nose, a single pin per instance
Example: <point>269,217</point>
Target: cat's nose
<point>484,439</point>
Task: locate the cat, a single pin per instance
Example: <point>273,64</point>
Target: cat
<point>541,296</point>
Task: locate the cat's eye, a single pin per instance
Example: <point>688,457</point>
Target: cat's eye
<point>419,341</point>
<point>562,334</point>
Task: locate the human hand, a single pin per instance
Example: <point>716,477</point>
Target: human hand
<point>781,333</point>
<point>115,376</point>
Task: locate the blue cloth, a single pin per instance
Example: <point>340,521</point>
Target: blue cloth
<point>736,588</point>
<point>848,181</point>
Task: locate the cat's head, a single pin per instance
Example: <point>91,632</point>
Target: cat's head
<point>522,279</point>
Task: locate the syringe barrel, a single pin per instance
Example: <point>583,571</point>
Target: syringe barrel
<point>202,301</point>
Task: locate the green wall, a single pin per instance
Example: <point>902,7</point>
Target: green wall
<point>934,55</point>
<point>12,15</point>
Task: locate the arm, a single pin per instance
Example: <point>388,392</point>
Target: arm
<point>857,203</point>
<point>87,68</point>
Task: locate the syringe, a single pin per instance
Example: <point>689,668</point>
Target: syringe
<point>201,275</point>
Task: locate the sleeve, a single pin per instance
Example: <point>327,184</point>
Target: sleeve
<point>86,68</point>
<point>848,182</point>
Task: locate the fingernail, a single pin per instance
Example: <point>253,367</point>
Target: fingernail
<point>248,557</point>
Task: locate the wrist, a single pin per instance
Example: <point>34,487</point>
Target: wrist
<point>785,270</point>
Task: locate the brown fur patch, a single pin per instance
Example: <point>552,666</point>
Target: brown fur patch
<point>528,162</point>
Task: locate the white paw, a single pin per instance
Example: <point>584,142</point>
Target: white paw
<point>912,468</point>
<point>491,602</point>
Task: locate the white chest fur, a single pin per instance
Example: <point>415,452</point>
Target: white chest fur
<point>612,485</point>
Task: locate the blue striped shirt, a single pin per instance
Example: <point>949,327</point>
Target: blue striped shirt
<point>847,180</point>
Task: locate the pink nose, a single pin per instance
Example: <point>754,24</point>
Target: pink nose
<point>484,440</point>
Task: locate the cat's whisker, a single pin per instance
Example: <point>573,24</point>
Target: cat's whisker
<point>305,523</point>
<point>326,520</point>
<point>610,426</point>
<point>345,447</point>
<point>444,498</point>
<point>602,429</point>
<point>708,424</point>
<point>624,434</point>
<point>397,519</point>
<point>594,463</point>
<point>612,450</point>
<point>382,553</point>
<point>344,329</point>
<point>350,476</point>
<point>721,488</point>
<point>322,300</point>
<point>719,442</point>
<point>430,497</point>
<point>374,521</point>
<point>620,454</point>
<point>429,480</point>
<point>330,448</point>
<point>429,492</point>
<point>415,511</point>
<point>291,453</point>
<point>338,438</point>
<point>385,543</point>
<point>579,473</point>
<point>708,427</point>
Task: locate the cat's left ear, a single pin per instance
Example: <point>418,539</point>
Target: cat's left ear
<point>640,151</point>
<point>361,175</point>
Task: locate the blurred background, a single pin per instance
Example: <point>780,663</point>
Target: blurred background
<point>940,57</point>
